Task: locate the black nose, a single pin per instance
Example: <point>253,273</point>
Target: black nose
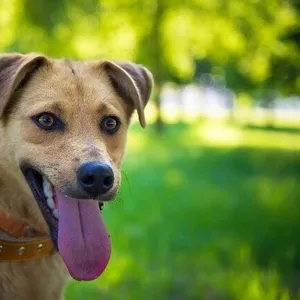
<point>95,178</point>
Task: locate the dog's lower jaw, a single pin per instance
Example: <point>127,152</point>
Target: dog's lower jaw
<point>41,279</point>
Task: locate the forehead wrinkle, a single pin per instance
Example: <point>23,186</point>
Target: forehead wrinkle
<point>106,98</point>
<point>69,65</point>
<point>72,87</point>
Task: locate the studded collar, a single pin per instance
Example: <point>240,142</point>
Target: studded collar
<point>19,241</point>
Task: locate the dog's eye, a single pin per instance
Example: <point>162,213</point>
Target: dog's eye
<point>110,124</point>
<point>47,121</point>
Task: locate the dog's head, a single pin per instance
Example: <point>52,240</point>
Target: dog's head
<point>64,127</point>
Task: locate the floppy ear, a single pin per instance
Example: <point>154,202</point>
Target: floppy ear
<point>14,70</point>
<point>133,83</point>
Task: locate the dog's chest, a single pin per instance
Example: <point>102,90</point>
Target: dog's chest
<point>42,279</point>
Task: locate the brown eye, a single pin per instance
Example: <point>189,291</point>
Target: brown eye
<point>47,121</point>
<point>110,125</point>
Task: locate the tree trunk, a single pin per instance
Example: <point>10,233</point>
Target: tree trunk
<point>270,110</point>
<point>157,51</point>
<point>159,124</point>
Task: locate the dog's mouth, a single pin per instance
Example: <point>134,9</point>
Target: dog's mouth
<point>43,192</point>
<point>76,227</point>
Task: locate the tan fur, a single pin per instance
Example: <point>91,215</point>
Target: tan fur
<point>80,93</point>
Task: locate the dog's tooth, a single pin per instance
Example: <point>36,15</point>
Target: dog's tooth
<point>55,213</point>
<point>50,194</point>
<point>46,192</point>
<point>50,202</point>
<point>45,186</point>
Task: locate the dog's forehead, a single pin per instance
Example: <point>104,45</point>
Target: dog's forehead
<point>75,84</point>
<point>79,80</point>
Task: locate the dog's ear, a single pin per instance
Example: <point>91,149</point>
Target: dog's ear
<point>133,83</point>
<point>14,70</point>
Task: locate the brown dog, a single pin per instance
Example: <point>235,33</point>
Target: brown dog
<point>63,127</point>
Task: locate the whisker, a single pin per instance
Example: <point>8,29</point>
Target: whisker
<point>127,180</point>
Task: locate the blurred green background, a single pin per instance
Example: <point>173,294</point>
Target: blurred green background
<point>210,202</point>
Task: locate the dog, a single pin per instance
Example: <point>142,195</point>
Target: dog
<point>63,127</point>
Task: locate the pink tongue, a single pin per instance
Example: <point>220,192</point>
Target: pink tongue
<point>83,241</point>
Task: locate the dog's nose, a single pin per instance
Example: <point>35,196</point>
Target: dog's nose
<point>95,178</point>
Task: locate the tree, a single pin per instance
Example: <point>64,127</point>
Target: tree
<point>250,43</point>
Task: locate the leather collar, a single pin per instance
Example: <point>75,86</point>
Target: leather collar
<point>20,241</point>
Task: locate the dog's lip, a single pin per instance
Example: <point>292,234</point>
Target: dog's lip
<point>34,179</point>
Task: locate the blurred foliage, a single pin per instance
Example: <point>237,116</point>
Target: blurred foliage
<point>209,211</point>
<point>253,44</point>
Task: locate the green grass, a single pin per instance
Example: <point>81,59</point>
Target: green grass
<point>207,211</point>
